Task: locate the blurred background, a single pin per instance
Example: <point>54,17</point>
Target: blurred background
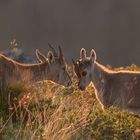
<point>111,27</point>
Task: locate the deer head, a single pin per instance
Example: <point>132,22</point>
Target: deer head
<point>84,67</point>
<point>57,66</point>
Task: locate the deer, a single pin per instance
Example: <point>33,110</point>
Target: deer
<point>118,88</point>
<point>51,67</point>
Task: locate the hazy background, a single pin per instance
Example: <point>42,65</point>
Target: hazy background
<point>111,27</point>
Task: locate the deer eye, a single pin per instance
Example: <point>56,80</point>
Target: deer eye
<point>84,73</point>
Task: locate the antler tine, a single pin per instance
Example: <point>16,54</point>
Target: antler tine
<point>53,50</point>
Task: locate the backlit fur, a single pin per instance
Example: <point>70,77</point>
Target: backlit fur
<point>52,68</point>
<point>120,88</point>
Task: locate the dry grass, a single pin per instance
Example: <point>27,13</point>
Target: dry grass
<point>48,111</point>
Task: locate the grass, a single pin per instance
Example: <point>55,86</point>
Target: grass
<point>48,111</point>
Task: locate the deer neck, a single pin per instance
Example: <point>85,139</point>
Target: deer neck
<point>98,75</point>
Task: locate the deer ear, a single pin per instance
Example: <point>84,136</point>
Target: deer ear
<point>53,50</point>
<point>83,53</point>
<point>61,57</point>
<point>40,56</point>
<point>50,56</point>
<point>92,55</point>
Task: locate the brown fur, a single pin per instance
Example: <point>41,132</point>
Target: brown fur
<point>11,73</point>
<point>49,68</point>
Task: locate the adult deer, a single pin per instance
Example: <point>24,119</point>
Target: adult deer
<point>120,88</point>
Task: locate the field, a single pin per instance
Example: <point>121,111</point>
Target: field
<point>48,111</point>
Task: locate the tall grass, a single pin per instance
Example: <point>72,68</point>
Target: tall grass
<point>48,111</point>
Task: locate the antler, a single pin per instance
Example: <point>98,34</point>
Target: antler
<point>53,50</point>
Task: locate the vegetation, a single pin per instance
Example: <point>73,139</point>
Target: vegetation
<point>48,111</point>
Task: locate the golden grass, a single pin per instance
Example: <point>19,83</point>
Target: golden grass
<point>48,111</point>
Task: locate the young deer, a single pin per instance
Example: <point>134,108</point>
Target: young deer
<point>52,67</point>
<point>120,88</point>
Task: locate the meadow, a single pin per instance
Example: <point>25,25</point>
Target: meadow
<point>48,111</point>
